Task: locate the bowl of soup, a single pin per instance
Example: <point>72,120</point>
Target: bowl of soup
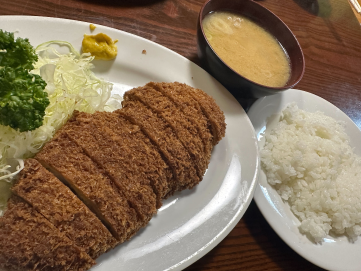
<point>247,48</point>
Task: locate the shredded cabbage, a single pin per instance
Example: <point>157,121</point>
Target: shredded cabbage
<point>71,85</point>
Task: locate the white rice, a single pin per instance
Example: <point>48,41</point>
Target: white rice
<point>308,160</point>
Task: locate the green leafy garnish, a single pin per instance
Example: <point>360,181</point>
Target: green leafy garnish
<point>22,97</point>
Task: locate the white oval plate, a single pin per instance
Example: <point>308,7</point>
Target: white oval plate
<point>190,223</point>
<point>336,253</point>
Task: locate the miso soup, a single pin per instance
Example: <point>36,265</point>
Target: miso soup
<point>247,48</point>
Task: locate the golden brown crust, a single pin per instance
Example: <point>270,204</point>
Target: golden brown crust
<point>191,109</point>
<point>162,135</point>
<point>116,159</point>
<point>210,108</point>
<point>149,162</point>
<point>58,204</point>
<point>185,131</point>
<point>120,164</point>
<point>30,242</point>
<point>68,161</point>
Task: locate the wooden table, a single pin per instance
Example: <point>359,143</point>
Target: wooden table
<point>330,36</point>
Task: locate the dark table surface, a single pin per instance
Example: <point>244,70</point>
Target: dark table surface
<point>330,37</point>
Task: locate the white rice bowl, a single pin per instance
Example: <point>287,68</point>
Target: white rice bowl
<point>308,160</point>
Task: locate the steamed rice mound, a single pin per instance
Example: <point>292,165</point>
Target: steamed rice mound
<point>308,160</point>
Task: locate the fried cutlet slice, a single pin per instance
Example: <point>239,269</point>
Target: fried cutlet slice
<point>210,109</point>
<point>30,242</point>
<point>191,109</point>
<point>117,160</point>
<point>70,164</point>
<point>163,136</point>
<point>149,161</point>
<point>185,131</point>
<point>58,204</point>
<point>205,102</point>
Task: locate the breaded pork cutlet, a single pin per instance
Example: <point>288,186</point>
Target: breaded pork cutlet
<point>185,131</point>
<point>71,165</point>
<point>148,160</point>
<point>117,160</point>
<point>58,204</point>
<point>163,136</point>
<point>210,108</point>
<point>190,109</point>
<point>29,242</point>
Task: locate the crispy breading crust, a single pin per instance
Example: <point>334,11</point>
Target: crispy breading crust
<point>149,162</point>
<point>58,204</point>
<point>120,164</point>
<point>116,159</point>
<point>162,135</point>
<point>191,109</point>
<point>29,242</point>
<point>210,108</point>
<point>67,160</point>
<point>185,131</point>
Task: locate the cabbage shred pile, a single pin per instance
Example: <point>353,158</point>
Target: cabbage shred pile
<point>71,85</point>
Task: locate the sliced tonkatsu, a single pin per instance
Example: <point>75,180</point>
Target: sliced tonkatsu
<point>162,135</point>
<point>103,176</point>
<point>70,164</point>
<point>58,204</point>
<point>185,131</point>
<point>117,160</point>
<point>210,108</point>
<point>29,242</point>
<point>191,109</point>
<point>146,156</point>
